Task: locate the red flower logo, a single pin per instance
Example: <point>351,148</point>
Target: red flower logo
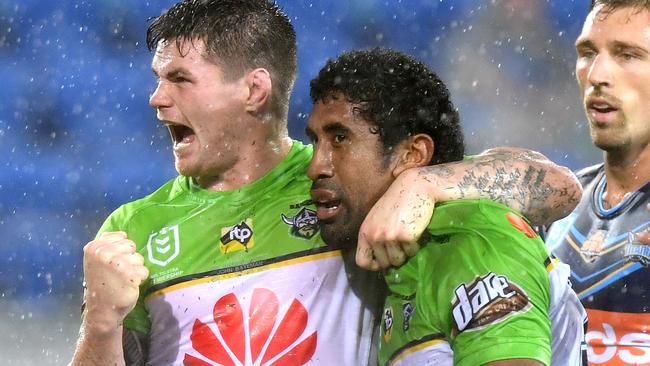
<point>267,346</point>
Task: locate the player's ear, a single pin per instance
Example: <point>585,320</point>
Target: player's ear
<point>415,152</point>
<point>259,89</point>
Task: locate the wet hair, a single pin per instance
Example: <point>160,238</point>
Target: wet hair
<point>397,95</point>
<point>239,36</point>
<point>612,5</point>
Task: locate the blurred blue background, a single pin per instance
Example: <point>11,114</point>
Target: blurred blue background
<point>77,137</point>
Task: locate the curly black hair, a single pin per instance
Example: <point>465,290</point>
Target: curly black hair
<point>239,35</point>
<point>397,95</point>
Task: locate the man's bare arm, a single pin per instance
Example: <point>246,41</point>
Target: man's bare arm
<point>99,347</point>
<point>113,271</point>
<point>521,179</point>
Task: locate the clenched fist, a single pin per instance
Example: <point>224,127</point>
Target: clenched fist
<point>113,271</point>
<point>390,231</point>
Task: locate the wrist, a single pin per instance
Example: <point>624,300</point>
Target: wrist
<point>435,186</point>
<point>102,323</point>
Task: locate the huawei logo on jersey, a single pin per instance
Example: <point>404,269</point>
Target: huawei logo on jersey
<point>257,340</point>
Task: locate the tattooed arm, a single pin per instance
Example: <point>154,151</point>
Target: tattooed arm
<point>522,179</point>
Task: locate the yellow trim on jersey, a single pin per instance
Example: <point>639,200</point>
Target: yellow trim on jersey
<point>551,265</point>
<point>606,278</point>
<point>225,276</point>
<point>417,347</point>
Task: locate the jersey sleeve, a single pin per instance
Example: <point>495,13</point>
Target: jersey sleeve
<point>493,289</point>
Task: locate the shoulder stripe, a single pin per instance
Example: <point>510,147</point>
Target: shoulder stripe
<point>414,346</point>
<point>612,277</point>
<point>550,263</point>
<point>252,267</point>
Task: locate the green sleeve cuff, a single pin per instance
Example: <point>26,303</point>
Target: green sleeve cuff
<point>484,353</point>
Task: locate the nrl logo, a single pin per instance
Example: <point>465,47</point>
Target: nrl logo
<point>304,224</point>
<point>163,246</point>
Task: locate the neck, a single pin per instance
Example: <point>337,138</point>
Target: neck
<point>256,157</point>
<point>626,172</point>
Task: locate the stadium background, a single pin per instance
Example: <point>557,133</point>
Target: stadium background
<point>77,137</point>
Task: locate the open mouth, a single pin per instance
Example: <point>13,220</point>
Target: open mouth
<point>327,210</point>
<point>328,205</point>
<point>181,134</point>
<point>602,107</point>
<point>327,202</point>
<point>602,111</point>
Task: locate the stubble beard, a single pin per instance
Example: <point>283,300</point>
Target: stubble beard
<point>343,233</point>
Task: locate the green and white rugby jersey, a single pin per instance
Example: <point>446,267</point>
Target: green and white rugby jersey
<point>481,285</point>
<point>243,278</point>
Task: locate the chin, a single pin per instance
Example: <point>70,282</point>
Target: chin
<point>610,144</point>
<point>183,172</point>
<point>185,169</point>
<point>338,237</point>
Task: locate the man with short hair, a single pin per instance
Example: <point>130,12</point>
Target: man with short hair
<point>604,232</point>
<point>483,283</point>
<point>224,264</point>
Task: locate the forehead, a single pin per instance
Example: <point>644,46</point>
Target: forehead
<point>189,54</point>
<point>628,24</point>
<point>337,110</point>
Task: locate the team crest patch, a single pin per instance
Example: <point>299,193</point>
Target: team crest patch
<point>163,246</point>
<point>236,238</point>
<point>304,224</point>
<point>487,300</point>
<point>388,323</point>
<point>593,247</point>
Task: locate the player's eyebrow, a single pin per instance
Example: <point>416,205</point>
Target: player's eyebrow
<point>330,129</point>
<point>582,43</point>
<point>175,72</point>
<point>619,45</point>
<point>335,127</point>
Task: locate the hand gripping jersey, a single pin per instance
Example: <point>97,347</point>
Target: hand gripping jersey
<point>615,292</point>
<point>243,278</point>
<point>484,286</point>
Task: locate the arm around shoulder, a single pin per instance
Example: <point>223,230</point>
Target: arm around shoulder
<point>522,179</point>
